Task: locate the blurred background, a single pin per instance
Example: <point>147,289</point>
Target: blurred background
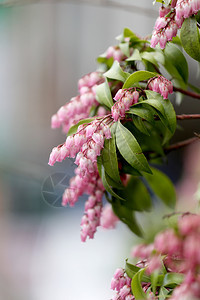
<point>46,46</point>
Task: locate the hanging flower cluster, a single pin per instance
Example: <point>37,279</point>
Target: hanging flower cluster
<point>171,19</point>
<point>86,144</point>
<point>160,85</point>
<point>178,251</point>
<point>125,99</point>
<point>79,107</point>
<point>121,283</point>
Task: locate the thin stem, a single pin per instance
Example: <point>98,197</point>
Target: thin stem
<point>181,144</point>
<point>188,117</point>
<point>188,93</point>
<point>178,117</point>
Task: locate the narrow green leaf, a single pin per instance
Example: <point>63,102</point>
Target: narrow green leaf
<point>109,159</point>
<point>194,88</point>
<point>126,216</point>
<point>175,62</point>
<point>190,38</point>
<point>116,72</point>
<point>107,187</point>
<point>125,48</point>
<point>150,56</point>
<point>137,287</point>
<point>103,94</point>
<point>130,149</point>
<point>131,270</point>
<point>162,187</point>
<point>135,56</point>
<point>173,279</point>
<point>165,107</point>
<point>163,293</point>
<point>137,195</point>
<point>146,113</point>
<point>73,129</point>
<point>136,77</point>
<point>140,125</point>
<point>154,281</point>
<point>128,169</point>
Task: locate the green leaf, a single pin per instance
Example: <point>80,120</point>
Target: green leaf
<point>103,94</point>
<point>136,286</point>
<point>171,279</point>
<point>136,77</point>
<point>128,169</point>
<point>154,281</point>
<point>176,63</point>
<point>109,159</point>
<point>131,270</point>
<point>150,56</point>
<point>194,88</point>
<point>190,38</point>
<point>130,34</point>
<point>146,113</point>
<point>167,116</point>
<point>73,129</point>
<point>135,56</point>
<point>137,195</point>
<point>140,125</point>
<point>107,187</point>
<point>162,187</point>
<point>126,216</point>
<point>130,149</point>
<point>116,72</point>
<point>163,293</point>
<point>125,48</point>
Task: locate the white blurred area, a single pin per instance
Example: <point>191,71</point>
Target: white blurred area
<point>45,48</point>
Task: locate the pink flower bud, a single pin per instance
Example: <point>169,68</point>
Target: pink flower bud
<point>55,122</point>
<point>119,95</point>
<point>163,11</point>
<point>163,40</point>
<point>110,51</point>
<point>98,138</point>
<point>160,23</point>
<point>53,156</point>
<point>135,96</point>
<point>69,142</point>
<point>155,39</point>
<point>115,112</point>
<point>90,129</point>
<point>124,291</point>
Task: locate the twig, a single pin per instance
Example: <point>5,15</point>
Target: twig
<point>181,144</point>
<point>188,93</point>
<point>188,117</point>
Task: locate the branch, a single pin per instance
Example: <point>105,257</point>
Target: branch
<point>181,144</point>
<point>188,93</point>
<point>188,117</point>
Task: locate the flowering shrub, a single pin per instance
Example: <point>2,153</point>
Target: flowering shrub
<point>117,126</point>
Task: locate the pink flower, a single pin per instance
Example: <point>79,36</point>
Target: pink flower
<point>160,85</point>
<point>108,218</point>
<point>125,99</point>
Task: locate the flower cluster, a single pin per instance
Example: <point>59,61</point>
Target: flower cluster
<point>171,19</point>
<point>160,85</point>
<point>125,99</point>
<point>85,145</point>
<point>121,283</point>
<point>78,107</point>
<point>180,255</point>
<point>115,52</point>
<point>186,8</point>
